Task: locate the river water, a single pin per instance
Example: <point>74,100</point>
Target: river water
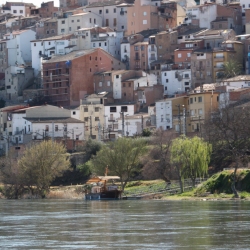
<point>138,224</point>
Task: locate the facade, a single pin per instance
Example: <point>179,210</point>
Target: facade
<point>17,78</point>
<point>68,24</point>
<point>18,45</point>
<point>113,112</point>
<point>68,78</point>
<point>46,47</point>
<point>18,8</point>
<point>46,27</point>
<point>105,38</point>
<point>169,109</point>
<point>107,11</point>
<point>47,9</point>
<point>200,107</point>
<point>139,56</point>
<point>134,124</point>
<point>176,81</point>
<point>202,67</point>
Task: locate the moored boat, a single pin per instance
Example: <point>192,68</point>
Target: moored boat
<point>100,188</point>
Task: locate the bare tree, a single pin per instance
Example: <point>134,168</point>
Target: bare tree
<point>228,131</point>
<point>157,162</point>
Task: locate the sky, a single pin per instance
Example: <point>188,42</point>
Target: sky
<point>35,2</point>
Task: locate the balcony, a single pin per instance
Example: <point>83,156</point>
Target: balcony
<point>137,58</point>
<point>152,58</point>
<point>219,58</point>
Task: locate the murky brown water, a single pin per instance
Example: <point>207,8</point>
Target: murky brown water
<point>79,224</point>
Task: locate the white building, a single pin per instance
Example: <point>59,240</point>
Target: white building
<point>18,8</point>
<point>71,23</point>
<point>112,113</point>
<point>134,124</point>
<point>18,45</point>
<point>205,14</point>
<point>176,81</point>
<point>107,11</point>
<point>164,116</point>
<point>105,38</point>
<point>45,48</point>
<point>17,78</point>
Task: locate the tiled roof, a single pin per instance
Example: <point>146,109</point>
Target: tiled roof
<point>105,3</point>
<point>70,56</point>
<point>54,119</point>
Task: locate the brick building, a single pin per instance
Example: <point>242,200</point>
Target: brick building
<point>68,78</point>
<point>46,10</point>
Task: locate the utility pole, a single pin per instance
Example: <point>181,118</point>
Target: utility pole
<point>122,124</point>
<point>142,124</point>
<point>179,118</point>
<point>184,121</point>
<point>90,126</point>
<point>52,131</point>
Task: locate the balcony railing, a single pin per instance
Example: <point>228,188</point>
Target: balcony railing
<point>137,58</point>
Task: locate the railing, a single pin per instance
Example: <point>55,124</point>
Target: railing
<point>171,188</point>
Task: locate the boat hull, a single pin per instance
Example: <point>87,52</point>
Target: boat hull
<point>108,195</point>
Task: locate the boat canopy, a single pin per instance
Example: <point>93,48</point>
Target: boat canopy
<point>102,179</point>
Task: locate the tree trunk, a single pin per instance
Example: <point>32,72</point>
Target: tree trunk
<point>181,185</point>
<point>193,182</point>
<point>235,192</point>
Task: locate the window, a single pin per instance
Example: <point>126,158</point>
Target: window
<point>62,30</point>
<point>21,11</point>
<point>96,109</point>
<point>144,22</point>
<point>86,110</point>
<point>200,111</point>
<point>86,119</point>
<point>47,128</point>
<point>100,44</point>
<point>124,108</point>
<point>14,11</point>
<point>107,11</point>
<point>100,11</point>
<point>63,22</point>
<point>200,99</point>
<point>96,118</point>
<point>191,100</point>
<point>179,55</point>
<point>108,83</point>
<point>100,84</point>
<point>243,6</point>
<point>56,127</point>
<point>144,13</point>
<point>116,76</point>
<point>188,54</point>
<point>166,80</point>
<point>34,44</point>
<point>166,88</point>
<point>78,20</point>
<point>112,109</point>
<point>72,21</point>
<point>93,44</point>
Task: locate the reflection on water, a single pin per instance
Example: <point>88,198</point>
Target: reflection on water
<point>74,224</point>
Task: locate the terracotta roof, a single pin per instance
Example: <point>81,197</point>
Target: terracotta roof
<point>104,3</point>
<point>53,119</point>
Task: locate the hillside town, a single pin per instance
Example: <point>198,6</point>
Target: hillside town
<point>107,69</point>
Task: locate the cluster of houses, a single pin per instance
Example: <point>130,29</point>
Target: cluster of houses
<point>106,69</point>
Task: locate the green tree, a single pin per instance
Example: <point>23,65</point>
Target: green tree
<point>122,157</point>
<point>231,68</point>
<point>91,148</point>
<point>190,157</point>
<point>42,163</point>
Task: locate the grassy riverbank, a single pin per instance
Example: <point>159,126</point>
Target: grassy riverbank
<point>218,187</point>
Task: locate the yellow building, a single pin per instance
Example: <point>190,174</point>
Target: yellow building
<point>200,107</point>
<point>230,50</point>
